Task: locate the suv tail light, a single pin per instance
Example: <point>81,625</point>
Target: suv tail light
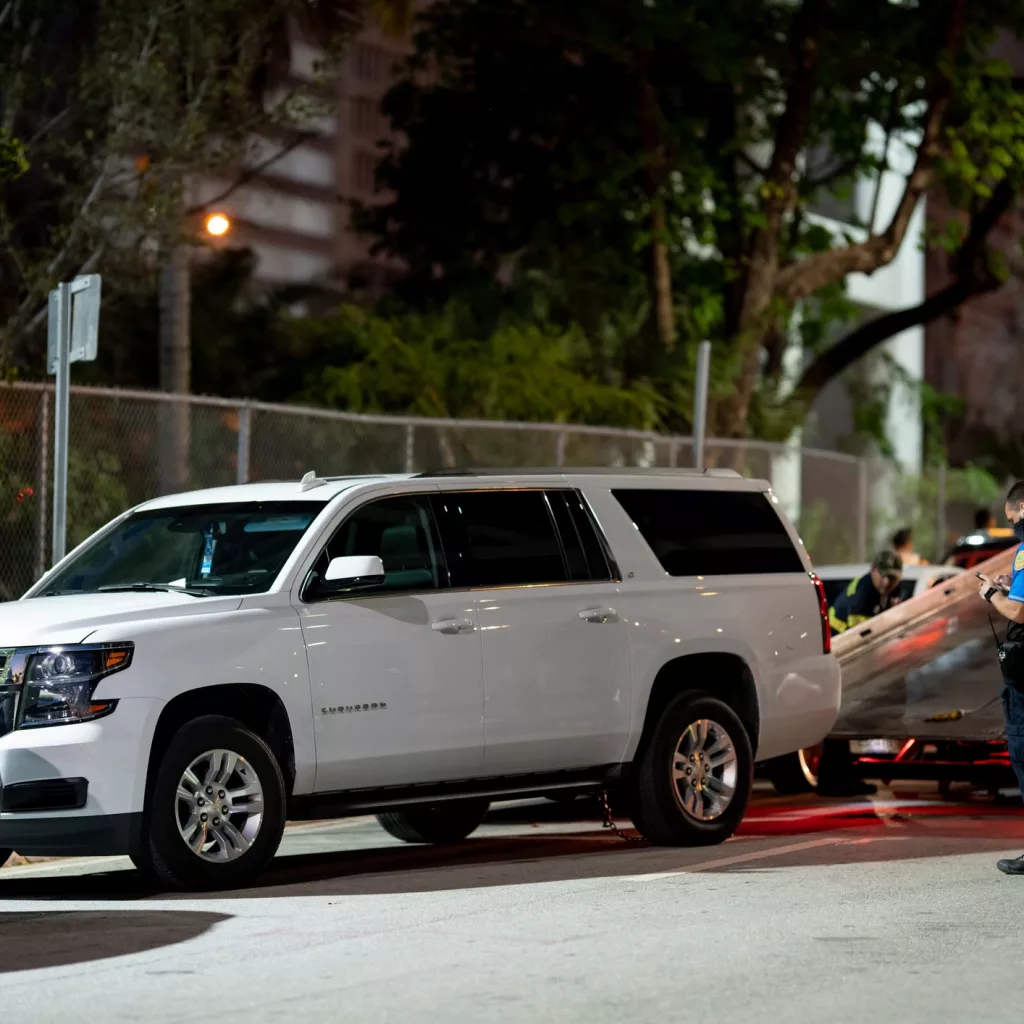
<point>826,630</point>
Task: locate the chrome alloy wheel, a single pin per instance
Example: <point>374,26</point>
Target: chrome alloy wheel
<point>704,770</point>
<point>219,806</point>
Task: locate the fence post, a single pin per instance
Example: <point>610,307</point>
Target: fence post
<point>673,453</point>
<point>42,482</point>
<point>700,403</point>
<point>560,448</point>
<point>940,512</point>
<point>862,510</point>
<point>410,448</point>
<point>244,442</point>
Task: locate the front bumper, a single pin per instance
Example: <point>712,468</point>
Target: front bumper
<point>111,754</point>
<point>71,835</point>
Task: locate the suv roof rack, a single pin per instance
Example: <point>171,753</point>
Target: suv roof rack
<point>583,470</point>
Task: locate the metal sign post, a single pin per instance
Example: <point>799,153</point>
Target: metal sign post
<point>700,403</point>
<point>72,337</point>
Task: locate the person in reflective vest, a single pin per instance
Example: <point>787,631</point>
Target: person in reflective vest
<point>868,595</point>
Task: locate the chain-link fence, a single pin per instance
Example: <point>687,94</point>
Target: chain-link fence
<point>127,446</point>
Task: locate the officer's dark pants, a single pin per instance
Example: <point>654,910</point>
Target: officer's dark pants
<point>1013,709</point>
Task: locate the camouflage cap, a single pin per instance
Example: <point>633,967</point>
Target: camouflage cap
<point>888,563</point>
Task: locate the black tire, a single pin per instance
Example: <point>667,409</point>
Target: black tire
<point>5,856</point>
<point>794,773</point>
<point>657,803</point>
<point>163,852</point>
<point>440,824</point>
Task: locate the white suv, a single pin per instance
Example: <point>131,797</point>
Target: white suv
<point>210,664</point>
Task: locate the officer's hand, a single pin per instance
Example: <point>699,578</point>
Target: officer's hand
<point>1005,581</point>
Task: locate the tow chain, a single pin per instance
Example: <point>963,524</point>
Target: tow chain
<point>609,822</point>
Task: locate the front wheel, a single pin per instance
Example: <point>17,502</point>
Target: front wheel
<point>448,822</point>
<point>216,812</point>
<point>694,779</point>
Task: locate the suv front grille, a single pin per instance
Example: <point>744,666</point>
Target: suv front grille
<point>8,693</point>
<point>8,708</point>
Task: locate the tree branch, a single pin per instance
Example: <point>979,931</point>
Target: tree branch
<point>809,275</point>
<point>87,267</point>
<point>974,277</point>
<point>249,174</point>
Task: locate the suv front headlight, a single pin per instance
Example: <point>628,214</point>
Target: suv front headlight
<point>58,682</point>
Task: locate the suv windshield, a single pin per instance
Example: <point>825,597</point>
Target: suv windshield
<point>211,549</point>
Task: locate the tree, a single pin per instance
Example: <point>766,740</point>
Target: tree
<point>668,159</point>
<point>142,103</point>
<point>441,365</point>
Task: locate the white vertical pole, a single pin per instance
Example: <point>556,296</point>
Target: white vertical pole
<point>940,513</point>
<point>244,443</point>
<point>42,482</point>
<point>62,402</point>
<point>863,510</point>
<point>700,403</point>
<point>410,447</point>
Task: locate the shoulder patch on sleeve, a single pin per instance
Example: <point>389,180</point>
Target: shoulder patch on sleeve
<point>1018,562</point>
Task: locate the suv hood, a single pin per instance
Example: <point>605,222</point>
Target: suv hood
<point>71,619</point>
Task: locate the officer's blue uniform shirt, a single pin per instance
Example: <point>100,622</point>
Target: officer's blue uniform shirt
<point>1017,586</point>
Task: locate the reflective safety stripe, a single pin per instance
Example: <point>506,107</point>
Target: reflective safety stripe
<point>835,622</point>
<point>856,620</point>
<point>852,588</point>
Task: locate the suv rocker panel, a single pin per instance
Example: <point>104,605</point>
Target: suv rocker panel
<point>367,801</point>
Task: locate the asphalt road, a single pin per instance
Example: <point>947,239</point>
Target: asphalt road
<point>823,911</point>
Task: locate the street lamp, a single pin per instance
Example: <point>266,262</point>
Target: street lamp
<point>218,225</point>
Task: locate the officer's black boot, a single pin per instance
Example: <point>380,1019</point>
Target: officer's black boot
<point>1012,867</point>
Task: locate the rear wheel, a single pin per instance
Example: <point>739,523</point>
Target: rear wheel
<point>216,812</point>
<point>797,772</point>
<point>448,822</point>
<point>693,781</point>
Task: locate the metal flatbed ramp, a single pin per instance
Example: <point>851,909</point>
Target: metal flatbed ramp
<point>933,655</point>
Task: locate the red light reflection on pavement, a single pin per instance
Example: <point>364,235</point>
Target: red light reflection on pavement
<point>794,819</point>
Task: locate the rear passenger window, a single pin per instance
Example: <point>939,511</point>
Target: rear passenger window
<point>584,551</point>
<point>711,533</point>
<point>499,539</point>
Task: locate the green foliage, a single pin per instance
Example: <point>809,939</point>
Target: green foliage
<point>13,161</point>
<point>96,491</point>
<point>423,364</point>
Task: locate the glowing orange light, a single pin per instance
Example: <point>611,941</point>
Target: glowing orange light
<point>217,225</point>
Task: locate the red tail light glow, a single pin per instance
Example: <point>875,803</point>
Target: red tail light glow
<point>826,631</point>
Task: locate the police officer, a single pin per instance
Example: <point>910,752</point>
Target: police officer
<point>868,595</point>
<point>1006,595</point>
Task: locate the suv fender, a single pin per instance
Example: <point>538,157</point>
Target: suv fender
<point>722,674</point>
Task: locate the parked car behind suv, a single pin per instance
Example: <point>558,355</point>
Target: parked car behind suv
<point>211,663</point>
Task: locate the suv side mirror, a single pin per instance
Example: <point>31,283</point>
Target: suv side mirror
<point>343,575</point>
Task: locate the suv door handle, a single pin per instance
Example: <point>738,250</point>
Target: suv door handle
<point>452,627</point>
<point>599,615</point>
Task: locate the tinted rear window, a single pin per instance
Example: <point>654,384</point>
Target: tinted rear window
<point>711,533</point>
